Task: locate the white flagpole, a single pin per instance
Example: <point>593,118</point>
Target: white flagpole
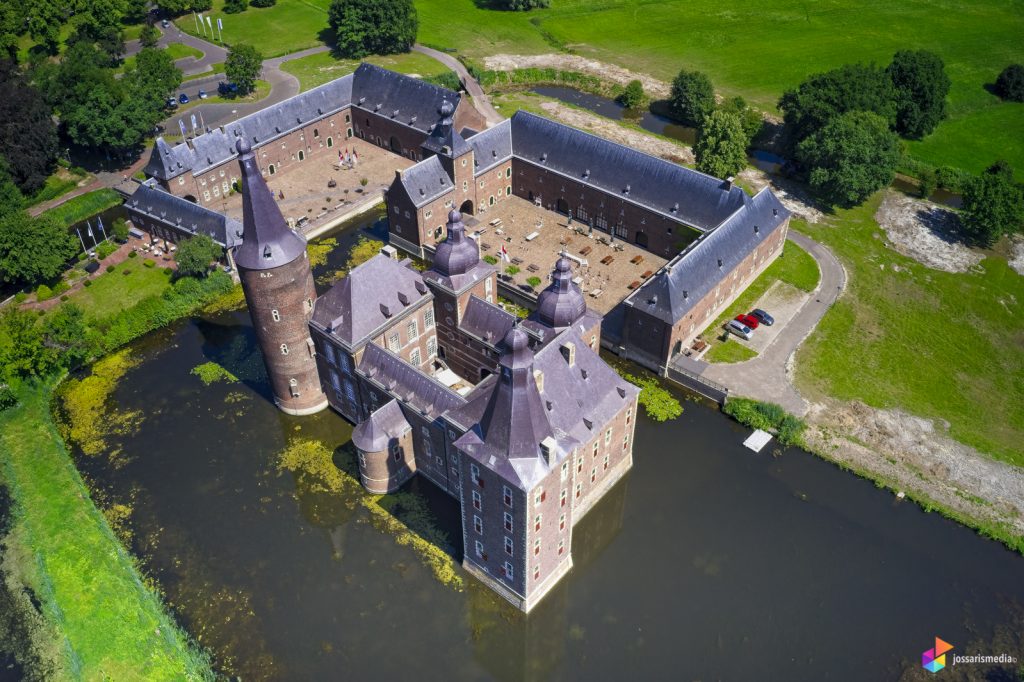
<point>202,23</point>
<point>210,24</point>
<point>201,121</point>
<point>99,221</point>
<point>84,250</point>
<point>220,30</point>
<point>194,16</point>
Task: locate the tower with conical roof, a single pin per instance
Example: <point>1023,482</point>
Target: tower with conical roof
<point>278,285</point>
<point>562,302</point>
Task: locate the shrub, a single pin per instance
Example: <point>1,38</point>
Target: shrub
<point>263,3</point>
<point>234,6</point>
<point>168,271</point>
<point>1010,83</point>
<point>491,259</point>
<point>43,293</point>
<point>8,398</point>
<point>149,262</point>
<point>111,268</point>
<point>87,283</point>
<point>64,298</point>
<point>120,230</point>
<point>133,254</point>
<point>364,181</point>
<point>533,281</point>
<point>767,417</point>
<point>511,270</point>
<point>633,96</point>
<point>149,36</point>
<point>20,297</point>
<point>692,98</point>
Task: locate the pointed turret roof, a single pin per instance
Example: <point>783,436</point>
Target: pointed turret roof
<point>562,302</point>
<point>267,241</point>
<point>444,139</point>
<point>457,253</point>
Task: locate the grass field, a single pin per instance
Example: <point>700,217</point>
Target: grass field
<point>760,48</point>
<point>114,627</point>
<point>114,291</point>
<point>60,183</point>
<point>794,266</point>
<point>216,67</point>
<point>317,69</point>
<point>288,26</point>
<point>85,205</point>
<point>936,344</point>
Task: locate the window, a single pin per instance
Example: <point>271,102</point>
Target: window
<point>579,490</point>
<point>606,462</point>
<point>330,141</point>
<point>508,172</point>
<point>414,357</point>
<point>508,570</point>
<point>561,546</point>
<point>272,169</point>
<point>311,347</point>
<point>595,449</point>
<point>206,195</point>
<point>536,571</point>
<point>629,412</point>
<point>479,546</point>
<point>490,200</point>
<point>481,184</point>
<point>478,525</point>
<point>316,133</point>
<point>579,465</point>
<point>607,436</point>
<point>538,496</point>
<point>276,315</point>
<point>397,211</point>
<point>432,346</point>
<point>465,186</point>
<point>474,474</point>
<point>284,349</point>
<point>428,319</point>
<point>427,214</point>
<point>506,495</point>
<point>508,190</point>
<point>536,547</point>
<point>488,285</point>
<point>562,498</point>
<point>565,471</point>
<point>508,545</point>
<point>625,442</point>
<point>536,523</point>
<point>593,474</point>
<point>393,342</point>
<point>561,522</point>
<point>478,501</point>
<point>439,462</point>
<point>396,452</point>
<point>508,522</point>
<point>362,460</point>
<point>413,330</point>
<point>181,180</point>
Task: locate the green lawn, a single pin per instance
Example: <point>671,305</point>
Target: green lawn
<point>948,346</point>
<point>216,67</point>
<point>288,26</point>
<point>180,51</point>
<point>759,48</point>
<point>132,31</point>
<point>317,69</point>
<point>58,184</point>
<point>794,266</point>
<point>114,291</point>
<point>85,205</point>
<point>113,626</point>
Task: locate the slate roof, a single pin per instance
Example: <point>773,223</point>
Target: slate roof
<point>688,277</point>
<point>444,139</point>
<point>267,241</point>
<point>661,186</point>
<point>486,321</point>
<point>353,309</point>
<point>561,303</point>
<point>385,92</point>
<point>457,254</point>
<point>426,181</point>
<point>183,215</point>
<point>167,162</point>
<point>414,388</point>
<point>491,146</point>
<point>375,433</point>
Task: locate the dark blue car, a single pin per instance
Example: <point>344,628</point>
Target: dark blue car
<point>183,98</point>
<point>226,88</point>
<point>762,317</point>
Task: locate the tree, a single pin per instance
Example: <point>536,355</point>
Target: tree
<point>10,196</point>
<point>28,136</point>
<point>363,27</point>
<point>750,118</point>
<point>44,19</point>
<point>993,206</point>
<point>34,250</point>
<point>851,157</point>
<point>195,255</point>
<point>22,352</point>
<point>120,230</point>
<point>235,6</point>
<point>825,96</point>
<point>692,97</point>
<point>243,66</point>
<point>721,147</point>
<point>520,5</point>
<point>263,3</point>
<point>66,335</point>
<point>633,96</point>
<point>921,85</point>
<point>154,75</point>
<point>149,36</point>
<point>1010,83</point>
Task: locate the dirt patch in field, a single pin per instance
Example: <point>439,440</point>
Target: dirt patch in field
<point>926,232</point>
<point>610,130</point>
<point>1016,259</point>
<point>655,88</point>
<point>917,455</point>
<point>792,195</point>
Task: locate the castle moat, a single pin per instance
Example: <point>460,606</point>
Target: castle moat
<point>706,562</point>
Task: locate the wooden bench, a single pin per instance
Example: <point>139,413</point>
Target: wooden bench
<point>517,260</point>
<point>607,260</point>
<point>485,246</point>
<point>634,284</point>
<point>636,260</point>
<point>533,268</point>
<point>647,274</point>
<point>586,250</point>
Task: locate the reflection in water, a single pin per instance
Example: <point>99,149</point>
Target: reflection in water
<point>706,562</point>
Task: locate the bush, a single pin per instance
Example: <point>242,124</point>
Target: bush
<point>692,98</point>
<point>448,79</point>
<point>491,259</point>
<point>133,254</point>
<point>64,298</point>
<point>533,281</point>
<point>87,283</point>
<point>364,181</point>
<point>43,293</point>
<point>234,6</point>
<point>8,398</point>
<point>149,36</point>
<point>769,417</point>
<point>20,297</point>
<point>658,403</point>
<point>60,287</point>
<point>149,262</point>
<point>105,249</point>
<point>633,96</point>
<point>111,268</point>
<point>120,230</point>
<point>1010,83</point>
<point>511,270</point>
<point>263,3</point>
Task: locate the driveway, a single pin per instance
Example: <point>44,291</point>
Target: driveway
<point>767,377</point>
<point>212,54</point>
<point>481,101</point>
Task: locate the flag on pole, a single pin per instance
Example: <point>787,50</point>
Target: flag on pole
<point>504,254</point>
<point>209,23</point>
<point>181,124</point>
<point>202,23</point>
<point>220,26</point>
<point>99,222</point>
<point>89,230</point>
<point>193,123</point>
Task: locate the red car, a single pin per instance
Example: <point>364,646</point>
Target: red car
<point>748,320</point>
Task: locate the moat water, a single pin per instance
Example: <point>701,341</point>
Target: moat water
<point>707,562</point>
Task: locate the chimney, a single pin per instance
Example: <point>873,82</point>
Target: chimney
<point>775,212</point>
<point>727,185</point>
<point>385,310</point>
<point>548,448</point>
<point>403,298</point>
<point>588,423</point>
<point>398,174</point>
<point>569,352</point>
<point>686,294</point>
<point>719,263</point>
<point>757,229</point>
<point>538,377</point>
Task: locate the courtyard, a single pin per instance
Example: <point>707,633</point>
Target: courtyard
<point>302,189</point>
<point>605,270</point>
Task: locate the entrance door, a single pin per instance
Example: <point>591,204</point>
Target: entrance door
<point>641,239</point>
<point>467,207</point>
<point>562,206</point>
<point>396,146</point>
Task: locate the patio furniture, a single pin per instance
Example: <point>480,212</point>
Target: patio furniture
<point>634,284</point>
<point>636,260</point>
<point>607,260</point>
<point>586,250</point>
<point>647,274</point>
<point>533,268</point>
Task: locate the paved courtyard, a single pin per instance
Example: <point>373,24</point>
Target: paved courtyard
<point>533,237</point>
<point>304,185</point>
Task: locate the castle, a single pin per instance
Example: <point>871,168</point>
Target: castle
<point>521,421</point>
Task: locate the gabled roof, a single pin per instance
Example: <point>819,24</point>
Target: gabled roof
<point>491,146</point>
<point>406,100</point>
<point>183,215</point>
<point>167,162</point>
<point>444,139</point>
<point>486,321</point>
<point>688,277</point>
<point>426,181</point>
<point>267,241</point>
<point>374,434</point>
<point>354,308</point>
<point>666,188</point>
<point>408,384</point>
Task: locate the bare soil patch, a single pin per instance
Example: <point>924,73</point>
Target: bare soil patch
<point>791,194</point>
<point>1016,259</point>
<point>917,455</point>
<point>611,130</point>
<point>926,232</point>
<point>568,62</point>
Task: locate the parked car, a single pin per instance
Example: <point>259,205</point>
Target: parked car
<point>171,102</point>
<point>762,317</point>
<point>748,320</point>
<point>202,94</point>
<point>165,23</point>
<point>183,98</point>
<point>739,329</point>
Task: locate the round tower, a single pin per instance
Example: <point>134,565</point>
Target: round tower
<point>457,254</point>
<point>278,285</point>
<point>562,302</point>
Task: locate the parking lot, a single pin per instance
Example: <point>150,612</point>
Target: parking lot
<point>782,301</point>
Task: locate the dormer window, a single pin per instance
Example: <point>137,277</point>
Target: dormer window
<point>267,253</point>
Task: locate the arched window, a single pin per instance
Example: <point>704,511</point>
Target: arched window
<point>276,315</point>
<point>316,133</point>
<point>272,169</point>
<point>284,349</point>
<point>330,142</point>
<point>302,155</point>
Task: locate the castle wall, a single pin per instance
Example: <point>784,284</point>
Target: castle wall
<point>385,471</point>
<point>280,302</point>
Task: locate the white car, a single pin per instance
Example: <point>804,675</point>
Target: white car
<point>739,329</point>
